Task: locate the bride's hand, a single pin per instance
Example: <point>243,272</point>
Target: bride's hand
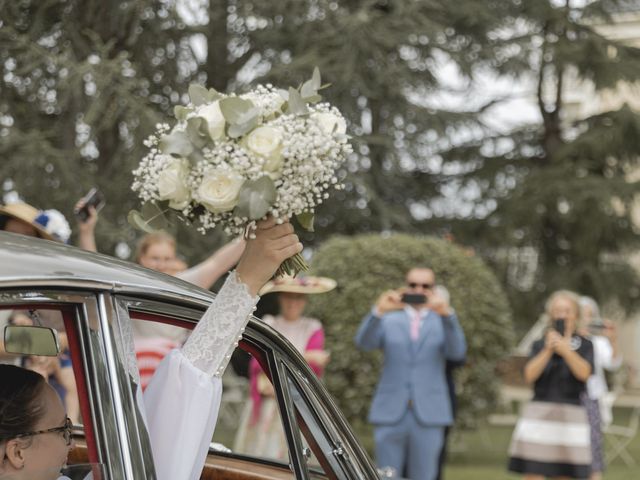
<point>262,256</point>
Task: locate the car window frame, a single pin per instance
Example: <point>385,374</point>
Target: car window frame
<point>90,334</point>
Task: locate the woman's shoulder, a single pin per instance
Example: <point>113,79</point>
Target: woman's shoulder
<point>312,324</point>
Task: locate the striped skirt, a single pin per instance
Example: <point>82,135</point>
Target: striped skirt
<point>553,440</point>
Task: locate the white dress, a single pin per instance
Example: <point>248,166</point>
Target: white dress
<point>182,400</point>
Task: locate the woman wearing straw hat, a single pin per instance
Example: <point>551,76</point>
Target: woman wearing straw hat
<point>260,431</point>
<point>24,219</point>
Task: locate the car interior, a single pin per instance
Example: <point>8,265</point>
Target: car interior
<point>303,435</point>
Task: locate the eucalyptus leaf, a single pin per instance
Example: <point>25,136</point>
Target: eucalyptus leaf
<point>213,95</point>
<point>181,112</point>
<point>315,78</point>
<point>176,143</point>
<point>198,94</point>
<point>296,106</point>
<point>306,219</point>
<point>198,131</point>
<point>310,87</point>
<point>313,98</point>
<point>256,198</point>
<point>237,110</point>
<point>238,130</point>
<point>150,219</point>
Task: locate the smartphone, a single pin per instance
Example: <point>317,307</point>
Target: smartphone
<point>94,198</point>
<point>558,325</point>
<point>414,298</point>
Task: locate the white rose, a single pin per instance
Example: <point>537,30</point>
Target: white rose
<point>172,183</point>
<point>219,190</point>
<point>329,121</point>
<point>215,120</point>
<point>266,142</point>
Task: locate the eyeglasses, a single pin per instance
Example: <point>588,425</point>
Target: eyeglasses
<point>65,430</point>
<point>426,286</point>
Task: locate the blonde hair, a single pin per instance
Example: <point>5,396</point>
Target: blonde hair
<point>152,239</point>
<point>573,297</point>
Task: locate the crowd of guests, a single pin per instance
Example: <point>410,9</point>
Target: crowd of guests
<point>559,434</point>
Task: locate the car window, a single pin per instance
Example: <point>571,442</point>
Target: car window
<point>64,372</point>
<point>58,370</point>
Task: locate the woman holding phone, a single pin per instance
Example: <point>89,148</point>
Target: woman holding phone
<point>552,437</point>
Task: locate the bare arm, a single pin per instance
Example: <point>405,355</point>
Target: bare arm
<point>86,230</point>
<point>65,377</point>
<point>206,273</point>
<point>580,368</point>
<point>534,367</point>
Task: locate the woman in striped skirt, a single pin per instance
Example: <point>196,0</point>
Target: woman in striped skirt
<point>552,436</point>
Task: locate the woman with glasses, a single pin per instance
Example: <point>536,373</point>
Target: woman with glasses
<point>35,433</point>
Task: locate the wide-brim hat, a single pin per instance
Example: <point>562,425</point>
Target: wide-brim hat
<point>301,284</point>
<point>49,224</point>
<point>27,214</point>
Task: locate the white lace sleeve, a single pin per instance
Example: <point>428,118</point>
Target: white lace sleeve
<point>210,345</point>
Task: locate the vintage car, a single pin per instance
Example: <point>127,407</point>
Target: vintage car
<point>92,301</point>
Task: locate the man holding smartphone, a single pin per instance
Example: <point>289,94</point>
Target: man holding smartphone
<point>418,332</point>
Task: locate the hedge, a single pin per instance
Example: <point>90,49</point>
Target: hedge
<point>366,265</point>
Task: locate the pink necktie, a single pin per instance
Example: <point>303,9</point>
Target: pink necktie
<point>415,325</point>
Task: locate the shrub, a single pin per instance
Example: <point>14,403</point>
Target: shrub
<point>366,265</point>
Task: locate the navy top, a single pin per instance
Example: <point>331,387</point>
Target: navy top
<point>557,383</point>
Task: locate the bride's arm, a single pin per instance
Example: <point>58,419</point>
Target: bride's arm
<point>210,345</point>
<point>183,397</point>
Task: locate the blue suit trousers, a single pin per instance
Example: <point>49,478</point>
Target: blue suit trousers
<point>410,448</point>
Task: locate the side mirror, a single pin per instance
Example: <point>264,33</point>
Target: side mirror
<point>31,340</point>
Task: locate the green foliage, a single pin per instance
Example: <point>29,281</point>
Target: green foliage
<point>366,265</point>
<point>560,192</point>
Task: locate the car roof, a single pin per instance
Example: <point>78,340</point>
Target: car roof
<point>29,261</point>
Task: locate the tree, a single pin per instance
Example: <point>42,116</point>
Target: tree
<point>562,187</point>
<point>84,83</point>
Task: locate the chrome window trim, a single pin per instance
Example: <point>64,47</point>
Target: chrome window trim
<point>86,306</point>
<point>287,416</point>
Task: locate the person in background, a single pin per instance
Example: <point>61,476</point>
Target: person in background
<point>57,370</point>
<point>450,368</point>
<point>603,335</point>
<point>411,406</point>
<point>551,438</point>
<point>158,251</point>
<point>23,219</point>
<point>261,431</point>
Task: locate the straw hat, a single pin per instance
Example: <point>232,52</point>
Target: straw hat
<point>49,224</point>
<point>306,285</point>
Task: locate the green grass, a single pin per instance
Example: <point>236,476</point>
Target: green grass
<point>482,455</point>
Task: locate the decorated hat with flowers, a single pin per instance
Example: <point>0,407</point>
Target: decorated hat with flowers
<point>49,224</point>
<point>299,284</point>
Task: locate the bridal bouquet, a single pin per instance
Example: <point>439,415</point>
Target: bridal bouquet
<point>230,160</point>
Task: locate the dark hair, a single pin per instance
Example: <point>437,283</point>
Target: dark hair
<point>20,404</point>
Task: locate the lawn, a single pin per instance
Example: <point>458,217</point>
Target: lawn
<point>482,455</point>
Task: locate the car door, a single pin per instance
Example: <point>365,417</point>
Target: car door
<point>319,442</point>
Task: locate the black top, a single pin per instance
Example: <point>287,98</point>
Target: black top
<point>557,383</point>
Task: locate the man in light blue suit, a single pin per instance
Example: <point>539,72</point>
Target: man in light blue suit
<point>411,405</point>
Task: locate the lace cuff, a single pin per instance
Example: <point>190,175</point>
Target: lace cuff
<point>210,345</point>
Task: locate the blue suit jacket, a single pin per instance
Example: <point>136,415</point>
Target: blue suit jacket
<point>413,370</point>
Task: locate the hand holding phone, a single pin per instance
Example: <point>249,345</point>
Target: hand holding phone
<point>94,198</point>
<point>414,298</point>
